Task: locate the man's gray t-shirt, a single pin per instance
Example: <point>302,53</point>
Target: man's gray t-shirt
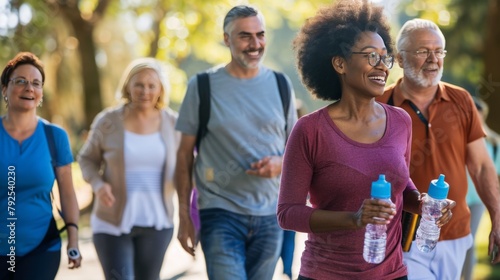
<point>246,124</point>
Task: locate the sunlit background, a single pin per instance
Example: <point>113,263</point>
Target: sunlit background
<point>86,44</point>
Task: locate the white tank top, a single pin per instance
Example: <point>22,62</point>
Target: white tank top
<point>145,156</point>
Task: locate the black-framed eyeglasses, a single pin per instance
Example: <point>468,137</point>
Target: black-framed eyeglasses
<point>427,53</point>
<point>374,58</point>
<point>22,82</point>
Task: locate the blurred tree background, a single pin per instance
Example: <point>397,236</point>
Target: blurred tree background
<point>471,29</point>
<point>86,44</point>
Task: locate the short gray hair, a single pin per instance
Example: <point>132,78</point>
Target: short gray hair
<point>414,25</point>
<point>240,11</point>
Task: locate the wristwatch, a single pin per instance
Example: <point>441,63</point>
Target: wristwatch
<point>73,253</point>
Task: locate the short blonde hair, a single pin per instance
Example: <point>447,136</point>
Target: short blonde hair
<point>137,66</point>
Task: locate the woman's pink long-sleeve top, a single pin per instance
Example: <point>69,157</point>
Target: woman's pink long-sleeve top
<point>336,173</point>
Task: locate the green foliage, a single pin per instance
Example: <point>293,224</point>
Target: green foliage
<point>186,35</point>
<point>190,31</point>
<point>461,22</point>
<point>28,34</point>
<point>484,269</point>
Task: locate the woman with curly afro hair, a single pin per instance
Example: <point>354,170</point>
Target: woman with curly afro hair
<point>335,153</point>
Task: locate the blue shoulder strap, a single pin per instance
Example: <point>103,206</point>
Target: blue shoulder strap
<point>49,134</point>
<point>204,108</point>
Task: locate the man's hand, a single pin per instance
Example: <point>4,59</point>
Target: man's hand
<point>187,234</point>
<point>493,246</point>
<point>267,167</point>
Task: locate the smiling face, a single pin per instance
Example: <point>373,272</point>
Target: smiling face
<point>245,38</point>
<point>144,89</point>
<point>23,97</point>
<point>422,72</point>
<point>356,73</point>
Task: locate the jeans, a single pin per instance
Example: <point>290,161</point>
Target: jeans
<point>137,255</point>
<point>239,247</point>
<point>287,251</point>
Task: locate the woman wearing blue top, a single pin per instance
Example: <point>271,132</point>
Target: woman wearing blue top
<point>29,240</point>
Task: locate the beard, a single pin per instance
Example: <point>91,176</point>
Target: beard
<point>418,77</point>
<point>247,63</point>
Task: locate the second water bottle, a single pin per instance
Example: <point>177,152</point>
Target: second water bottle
<point>428,232</point>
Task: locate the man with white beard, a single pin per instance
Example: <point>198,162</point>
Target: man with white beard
<point>447,138</point>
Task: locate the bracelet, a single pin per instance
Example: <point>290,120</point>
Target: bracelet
<point>72,225</point>
<point>359,223</point>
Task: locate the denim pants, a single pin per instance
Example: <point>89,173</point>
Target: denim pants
<point>287,251</point>
<point>239,247</point>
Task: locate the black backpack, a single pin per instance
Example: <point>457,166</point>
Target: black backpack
<point>204,108</point>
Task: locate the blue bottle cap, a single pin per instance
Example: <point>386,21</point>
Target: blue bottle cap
<point>381,188</point>
<point>438,189</point>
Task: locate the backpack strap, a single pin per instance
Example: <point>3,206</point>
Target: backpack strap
<point>49,134</point>
<point>285,94</point>
<point>204,108</point>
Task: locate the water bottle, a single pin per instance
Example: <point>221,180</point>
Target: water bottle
<point>428,231</point>
<point>375,235</point>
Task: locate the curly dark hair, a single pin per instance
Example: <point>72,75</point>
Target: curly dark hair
<point>332,32</point>
<point>21,59</point>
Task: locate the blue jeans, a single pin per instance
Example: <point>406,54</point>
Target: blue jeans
<point>239,246</point>
<point>287,251</point>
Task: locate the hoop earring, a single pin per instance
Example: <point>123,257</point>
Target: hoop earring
<point>40,103</point>
<point>6,101</point>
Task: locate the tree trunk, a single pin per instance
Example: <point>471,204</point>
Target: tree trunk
<point>490,84</point>
<point>159,14</point>
<point>90,72</point>
<point>83,30</point>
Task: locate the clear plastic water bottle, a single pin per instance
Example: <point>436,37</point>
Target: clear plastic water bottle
<point>428,232</point>
<point>376,235</point>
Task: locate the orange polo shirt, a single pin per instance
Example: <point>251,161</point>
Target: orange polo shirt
<point>439,147</point>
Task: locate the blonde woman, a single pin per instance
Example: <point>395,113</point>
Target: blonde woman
<point>129,159</point>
